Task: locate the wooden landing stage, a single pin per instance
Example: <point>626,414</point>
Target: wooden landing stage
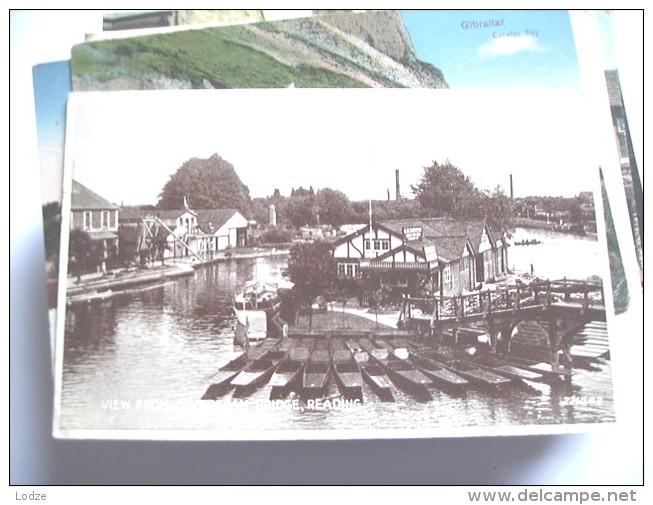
<point>561,307</point>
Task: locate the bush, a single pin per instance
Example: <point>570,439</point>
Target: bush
<point>276,236</point>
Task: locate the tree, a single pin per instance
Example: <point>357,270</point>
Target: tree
<point>301,207</point>
<point>83,253</point>
<point>312,270</point>
<point>334,207</point>
<point>498,209</point>
<point>206,184</point>
<point>444,190</point>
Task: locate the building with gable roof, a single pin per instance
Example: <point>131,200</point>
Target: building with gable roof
<point>227,227</point>
<point>97,216</point>
<point>451,255</point>
<point>198,233</point>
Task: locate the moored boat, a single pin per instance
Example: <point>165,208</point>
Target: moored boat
<point>287,374</point>
<point>256,308</point>
<point>507,370</point>
<point>547,370</point>
<point>289,371</point>
<point>257,373</point>
<point>442,377</point>
<point>315,377</point>
<point>467,370</point>
<point>378,380</point>
<point>221,380</point>
<point>403,373</point>
<point>346,370</point>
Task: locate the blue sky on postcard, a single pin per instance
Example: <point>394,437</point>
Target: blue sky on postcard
<point>497,49</point>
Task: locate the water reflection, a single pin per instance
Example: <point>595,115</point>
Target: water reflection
<point>144,361</point>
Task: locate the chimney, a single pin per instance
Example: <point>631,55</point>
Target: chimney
<point>511,193</point>
<point>398,197</point>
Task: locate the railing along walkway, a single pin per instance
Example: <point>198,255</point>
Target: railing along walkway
<point>570,293</point>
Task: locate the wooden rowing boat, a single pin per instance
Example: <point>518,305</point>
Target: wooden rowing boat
<point>402,372</point>
<point>315,377</point>
<point>257,373</point>
<point>547,370</point>
<point>468,370</point>
<point>346,370</point>
<point>442,377</point>
<point>507,370</point>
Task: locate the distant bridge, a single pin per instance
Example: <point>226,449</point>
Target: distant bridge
<point>561,306</point>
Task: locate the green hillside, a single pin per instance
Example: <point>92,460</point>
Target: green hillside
<point>223,57</point>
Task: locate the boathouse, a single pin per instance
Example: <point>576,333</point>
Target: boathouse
<point>97,217</point>
<point>226,228</point>
<point>443,255</point>
<point>188,232</point>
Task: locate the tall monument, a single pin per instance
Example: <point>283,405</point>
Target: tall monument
<point>273,215</point>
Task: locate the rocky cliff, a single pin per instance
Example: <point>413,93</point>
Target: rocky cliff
<point>353,49</point>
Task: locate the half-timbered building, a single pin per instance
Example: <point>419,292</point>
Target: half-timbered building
<point>443,255</point>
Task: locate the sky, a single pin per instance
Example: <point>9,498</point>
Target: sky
<point>126,145</point>
<point>490,49</point>
<point>455,41</point>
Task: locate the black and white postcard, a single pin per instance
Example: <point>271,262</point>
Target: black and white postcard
<point>329,263</point>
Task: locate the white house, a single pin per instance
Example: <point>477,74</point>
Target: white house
<point>227,228</point>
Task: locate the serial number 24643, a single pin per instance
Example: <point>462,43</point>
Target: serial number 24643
<point>581,400</point>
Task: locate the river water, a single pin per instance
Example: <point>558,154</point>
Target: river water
<point>144,360</point>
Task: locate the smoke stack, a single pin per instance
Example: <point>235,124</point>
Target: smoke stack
<point>511,193</point>
<point>397,185</point>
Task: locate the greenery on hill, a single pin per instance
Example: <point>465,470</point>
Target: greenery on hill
<point>222,57</point>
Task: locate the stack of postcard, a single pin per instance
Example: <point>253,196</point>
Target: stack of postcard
<point>377,224</point>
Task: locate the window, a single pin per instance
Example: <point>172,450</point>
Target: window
<point>447,274</point>
<point>368,244</point>
<point>381,244</point>
<point>88,215</point>
<point>348,270</point>
<point>104,219</point>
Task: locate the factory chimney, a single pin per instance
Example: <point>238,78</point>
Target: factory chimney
<point>511,192</point>
<point>398,197</point>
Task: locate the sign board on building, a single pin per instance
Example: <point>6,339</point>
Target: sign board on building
<point>430,254</point>
<point>412,233</point>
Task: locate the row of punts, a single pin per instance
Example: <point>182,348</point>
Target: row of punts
<point>306,365</point>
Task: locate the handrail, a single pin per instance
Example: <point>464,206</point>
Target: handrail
<point>514,297</point>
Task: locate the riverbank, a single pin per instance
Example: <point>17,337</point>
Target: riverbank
<point>98,286</point>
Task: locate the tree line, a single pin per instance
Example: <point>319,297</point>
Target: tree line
<point>443,190</point>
